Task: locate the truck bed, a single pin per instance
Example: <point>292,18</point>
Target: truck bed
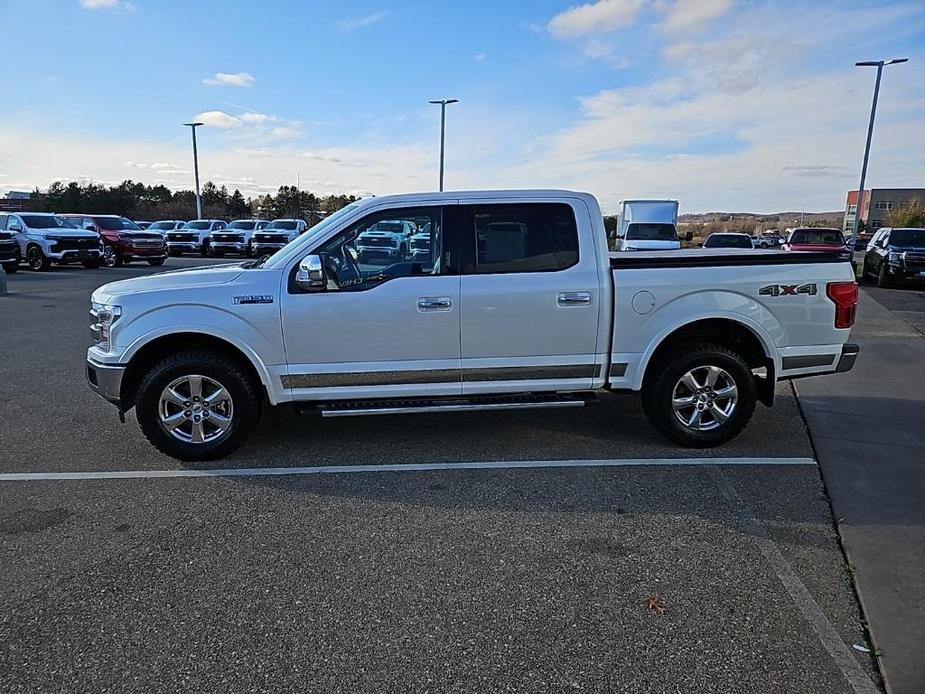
<point>719,257</point>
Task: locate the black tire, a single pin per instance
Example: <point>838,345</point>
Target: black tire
<point>229,372</point>
<point>175,254</point>
<point>218,254</point>
<point>204,252</point>
<point>11,268</point>
<point>883,277</point>
<point>91,264</point>
<point>157,263</point>
<point>111,256</point>
<point>37,260</point>
<point>665,376</point>
<point>403,252</point>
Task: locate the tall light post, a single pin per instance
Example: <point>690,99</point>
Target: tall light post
<point>443,103</point>
<point>870,132</point>
<point>192,127</point>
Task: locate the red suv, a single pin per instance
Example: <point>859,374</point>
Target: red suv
<point>123,240</point>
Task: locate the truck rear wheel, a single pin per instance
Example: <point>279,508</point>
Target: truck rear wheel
<point>700,396</point>
<point>197,405</point>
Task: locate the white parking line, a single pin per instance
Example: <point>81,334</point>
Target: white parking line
<point>393,467</point>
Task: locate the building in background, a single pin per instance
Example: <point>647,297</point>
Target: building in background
<point>878,202</point>
<point>16,201</point>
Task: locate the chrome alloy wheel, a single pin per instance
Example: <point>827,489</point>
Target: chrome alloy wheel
<point>195,409</point>
<point>109,255</point>
<point>704,398</point>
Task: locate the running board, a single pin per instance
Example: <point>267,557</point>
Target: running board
<point>361,409</point>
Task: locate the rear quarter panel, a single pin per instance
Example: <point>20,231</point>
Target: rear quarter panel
<point>652,303</point>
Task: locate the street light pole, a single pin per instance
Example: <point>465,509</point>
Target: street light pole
<point>443,103</point>
<point>192,127</point>
<point>870,133</point>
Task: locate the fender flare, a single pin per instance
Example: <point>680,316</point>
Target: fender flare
<point>764,339</point>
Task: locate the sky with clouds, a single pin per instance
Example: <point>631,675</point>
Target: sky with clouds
<point>722,104</point>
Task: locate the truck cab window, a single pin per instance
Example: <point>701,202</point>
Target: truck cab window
<point>535,237</point>
<point>383,246</point>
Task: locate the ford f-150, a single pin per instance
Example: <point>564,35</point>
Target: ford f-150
<point>543,317</point>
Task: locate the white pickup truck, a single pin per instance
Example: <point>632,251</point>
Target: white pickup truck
<point>519,305</point>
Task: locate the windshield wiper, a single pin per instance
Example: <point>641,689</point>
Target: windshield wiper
<point>256,263</point>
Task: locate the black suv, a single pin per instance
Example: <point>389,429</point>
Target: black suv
<point>893,255</point>
<point>9,252</point>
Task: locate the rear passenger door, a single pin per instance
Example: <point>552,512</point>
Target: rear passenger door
<point>529,297</point>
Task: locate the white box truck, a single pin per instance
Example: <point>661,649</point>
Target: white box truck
<point>647,225</point>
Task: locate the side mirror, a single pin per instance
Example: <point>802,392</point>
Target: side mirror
<point>689,236</point>
<point>310,275</point>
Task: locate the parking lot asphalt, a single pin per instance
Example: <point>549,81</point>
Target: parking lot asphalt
<point>445,580</point>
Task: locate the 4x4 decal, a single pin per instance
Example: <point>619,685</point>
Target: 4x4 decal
<point>788,290</point>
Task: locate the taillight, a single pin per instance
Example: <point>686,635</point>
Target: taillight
<point>845,297</point>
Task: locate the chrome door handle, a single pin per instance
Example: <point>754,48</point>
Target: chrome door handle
<point>574,298</point>
<point>435,303</point>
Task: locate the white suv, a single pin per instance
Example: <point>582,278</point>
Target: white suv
<point>193,237</point>
<point>45,238</point>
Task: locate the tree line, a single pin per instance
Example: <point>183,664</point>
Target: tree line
<point>136,200</point>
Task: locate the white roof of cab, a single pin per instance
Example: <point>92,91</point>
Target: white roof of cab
<point>463,195</point>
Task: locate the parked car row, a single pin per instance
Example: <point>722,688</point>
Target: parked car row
<point>40,239</point>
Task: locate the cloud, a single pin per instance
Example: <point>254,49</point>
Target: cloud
<point>479,57</point>
<point>320,157</point>
<point>687,15</point>
<point>122,5</point>
<point>818,170</point>
<point>594,18</point>
<point>352,24</point>
<point>227,79</point>
<point>218,119</point>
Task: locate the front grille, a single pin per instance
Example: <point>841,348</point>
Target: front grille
<point>420,244</point>
<point>234,238</point>
<point>147,243</point>
<point>4,235</point>
<point>376,241</point>
<point>915,261</point>
<point>270,238</point>
<point>183,237</point>
<point>66,244</point>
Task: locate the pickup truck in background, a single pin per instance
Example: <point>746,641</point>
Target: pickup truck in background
<point>520,305</point>
<point>237,237</point>
<point>648,225</point>
<point>193,237</point>
<point>277,234</point>
<point>388,239</point>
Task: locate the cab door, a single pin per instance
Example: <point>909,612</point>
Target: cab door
<point>378,329</point>
<point>530,298</point>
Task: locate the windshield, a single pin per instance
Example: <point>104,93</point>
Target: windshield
<point>728,241</point>
<point>197,225</point>
<point>907,237</point>
<point>162,225</point>
<point>130,225</point>
<point>829,237</point>
<point>247,226</point>
<point>651,232</point>
<point>318,228</point>
<point>286,225</point>
<point>41,221</point>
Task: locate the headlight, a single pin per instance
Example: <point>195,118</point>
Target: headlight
<point>896,258</point>
<point>103,317</point>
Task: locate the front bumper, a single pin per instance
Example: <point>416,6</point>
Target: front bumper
<point>379,252</point>
<point>184,246</point>
<point>264,247</point>
<point>849,354</point>
<point>70,256</point>
<point>229,246</point>
<point>106,380</point>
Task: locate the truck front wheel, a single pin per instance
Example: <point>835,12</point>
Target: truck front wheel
<point>197,405</point>
<point>700,396</point>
